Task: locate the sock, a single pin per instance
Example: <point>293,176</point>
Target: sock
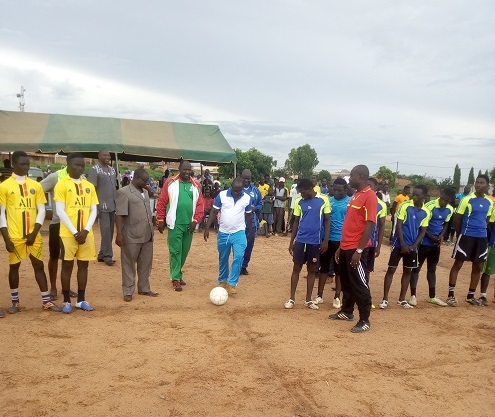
<point>45,297</point>
<point>451,290</point>
<point>413,292</point>
<point>14,296</point>
<point>483,295</point>
<point>66,296</point>
<point>81,294</point>
<point>431,292</point>
<point>471,293</point>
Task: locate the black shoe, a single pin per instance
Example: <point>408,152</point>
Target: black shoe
<point>127,298</point>
<point>341,316</point>
<point>110,262</point>
<point>244,271</point>
<point>361,326</point>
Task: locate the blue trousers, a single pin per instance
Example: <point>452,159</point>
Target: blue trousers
<point>226,242</point>
<point>249,247</point>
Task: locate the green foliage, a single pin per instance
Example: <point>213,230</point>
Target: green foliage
<point>471,176</point>
<point>446,182</point>
<point>422,180</point>
<point>281,172</point>
<point>492,176</point>
<point>258,163</point>
<point>457,177</point>
<point>302,161</point>
<point>387,175</point>
<point>324,174</point>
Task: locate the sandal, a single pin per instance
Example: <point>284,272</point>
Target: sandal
<point>289,303</point>
<point>311,305</point>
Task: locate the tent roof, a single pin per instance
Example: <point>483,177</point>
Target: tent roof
<point>132,140</point>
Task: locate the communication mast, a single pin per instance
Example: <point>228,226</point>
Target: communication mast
<point>21,98</point>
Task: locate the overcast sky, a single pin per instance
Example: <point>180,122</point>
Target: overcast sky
<point>374,82</point>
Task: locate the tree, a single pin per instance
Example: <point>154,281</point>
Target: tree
<point>386,174</point>
<point>446,183</point>
<point>457,177</point>
<point>324,174</point>
<point>258,163</point>
<point>492,176</point>
<point>302,161</point>
<point>281,172</point>
<point>471,176</point>
<point>487,174</point>
<point>421,179</point>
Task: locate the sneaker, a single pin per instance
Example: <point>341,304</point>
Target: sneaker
<point>483,301</point>
<point>176,286</point>
<point>67,308</point>
<point>341,316</point>
<point>473,301</point>
<point>412,300</point>
<point>311,305</point>
<point>361,326</point>
<point>318,300</point>
<point>383,305</point>
<point>404,304</point>
<point>289,304</point>
<point>336,303</point>
<point>232,289</point>
<point>222,284</point>
<point>437,301</point>
<point>451,301</point>
<point>244,271</point>
<point>182,282</point>
<point>84,305</point>
<point>14,309</point>
<point>51,306</point>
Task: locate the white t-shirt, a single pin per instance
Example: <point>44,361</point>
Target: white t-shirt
<point>294,195</point>
<point>232,213</point>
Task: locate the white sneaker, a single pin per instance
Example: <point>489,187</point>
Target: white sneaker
<point>452,301</point>
<point>383,305</point>
<point>289,303</point>
<point>437,301</point>
<point>337,303</point>
<point>311,305</point>
<point>318,300</point>
<point>412,300</point>
<point>404,304</point>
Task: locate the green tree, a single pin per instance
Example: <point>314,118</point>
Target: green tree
<point>387,175</point>
<point>471,176</point>
<point>324,174</point>
<point>302,161</point>
<point>281,172</point>
<point>421,179</point>
<point>487,173</point>
<point>492,176</point>
<point>258,163</point>
<point>446,183</point>
<point>457,177</point>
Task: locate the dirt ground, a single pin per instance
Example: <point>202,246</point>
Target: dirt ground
<point>179,355</point>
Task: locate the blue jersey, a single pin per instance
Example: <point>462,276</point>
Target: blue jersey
<point>256,201</point>
<point>438,217</point>
<point>339,209</point>
<point>475,211</point>
<point>413,219</point>
<point>311,213</point>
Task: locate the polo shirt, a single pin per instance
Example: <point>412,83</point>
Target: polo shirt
<point>438,217</point>
<point>20,200</point>
<point>232,217</point>
<point>412,220</point>
<point>337,216</point>
<point>263,188</point>
<point>362,208</point>
<point>311,213</point>
<point>474,212</point>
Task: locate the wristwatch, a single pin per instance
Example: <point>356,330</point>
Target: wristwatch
<point>359,250</point>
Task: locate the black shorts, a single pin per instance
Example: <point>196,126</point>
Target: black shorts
<point>370,261</point>
<point>306,253</point>
<point>409,260</point>
<point>472,249</point>
<point>430,254</point>
<point>327,257</point>
<point>54,240</point>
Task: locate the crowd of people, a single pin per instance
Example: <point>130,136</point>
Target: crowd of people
<point>336,230</point>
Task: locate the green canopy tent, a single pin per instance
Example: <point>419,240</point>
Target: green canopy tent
<point>129,140</point>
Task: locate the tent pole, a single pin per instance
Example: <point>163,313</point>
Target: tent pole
<point>235,170</point>
<point>119,180</point>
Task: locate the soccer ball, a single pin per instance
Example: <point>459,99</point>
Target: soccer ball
<point>219,296</point>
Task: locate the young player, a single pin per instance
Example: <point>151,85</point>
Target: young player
<point>399,199</point>
<point>412,220</point>
<point>310,212</point>
<point>266,215</point>
<point>22,212</point>
<point>338,205</point>
<point>470,224</point>
<point>76,202</point>
<point>489,267</point>
<point>440,212</point>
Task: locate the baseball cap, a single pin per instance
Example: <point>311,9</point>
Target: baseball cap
<point>281,179</point>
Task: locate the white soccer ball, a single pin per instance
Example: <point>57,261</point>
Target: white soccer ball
<point>219,296</point>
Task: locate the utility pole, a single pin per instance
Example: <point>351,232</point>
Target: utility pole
<point>21,98</point>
